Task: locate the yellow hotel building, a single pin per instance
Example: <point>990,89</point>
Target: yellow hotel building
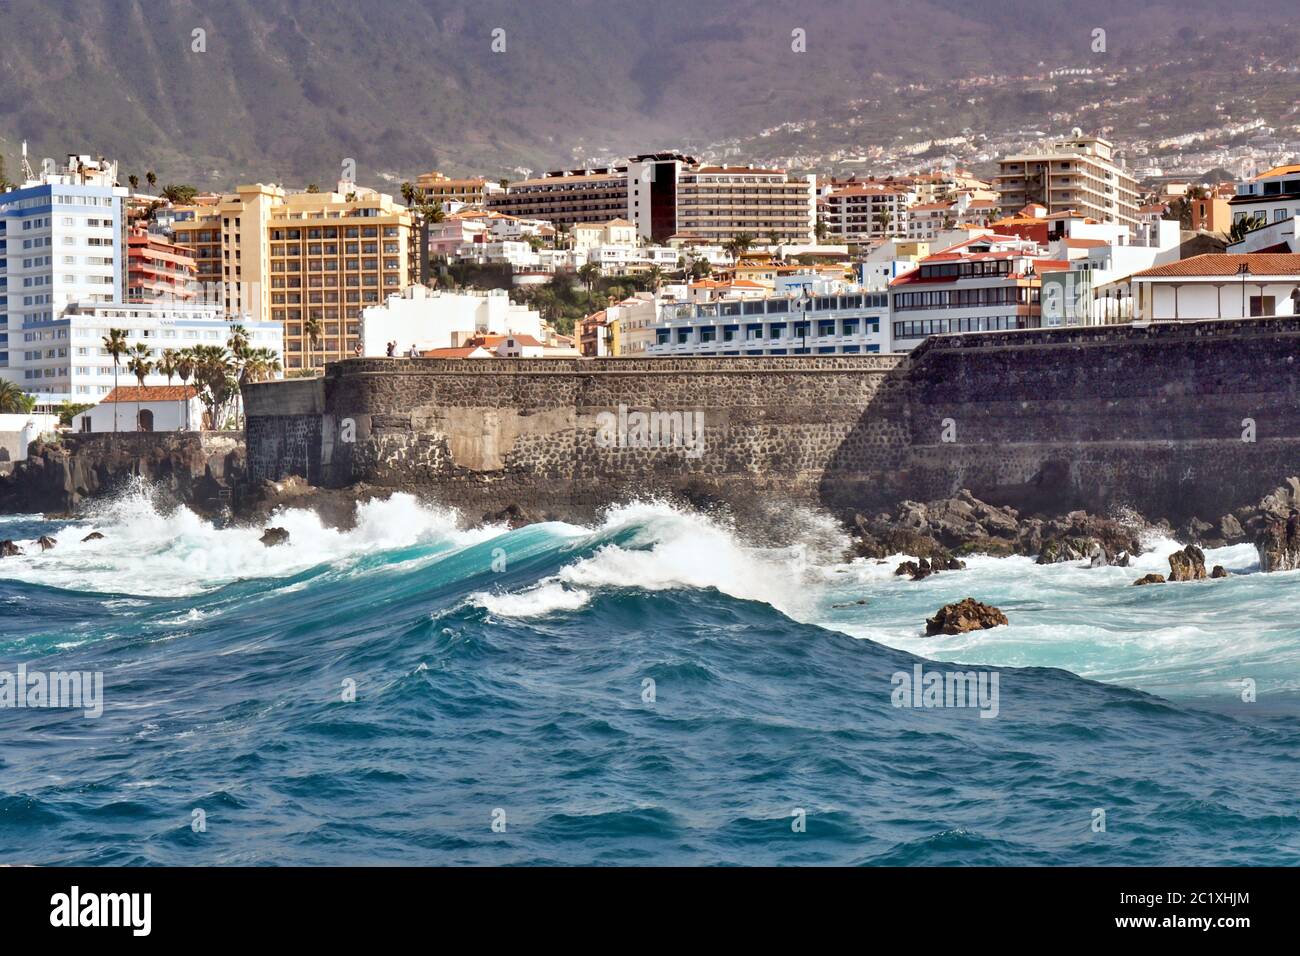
<point>298,257</point>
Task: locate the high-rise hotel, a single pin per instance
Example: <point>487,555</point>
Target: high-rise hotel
<point>669,194</point>
<point>61,241</point>
<point>1079,174</point>
<point>309,260</point>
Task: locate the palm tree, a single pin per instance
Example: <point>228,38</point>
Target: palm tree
<point>260,365</point>
<point>139,363</point>
<point>312,328</point>
<point>184,369</point>
<point>167,364</point>
<point>656,277</point>
<point>883,219</point>
<point>238,342</point>
<point>151,179</point>
<point>1244,225</point>
<point>214,375</point>
<point>134,180</point>
<point>115,345</point>
<point>588,274</point>
<point>13,400</point>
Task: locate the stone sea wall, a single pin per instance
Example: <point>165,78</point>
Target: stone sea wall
<point>1153,418</point>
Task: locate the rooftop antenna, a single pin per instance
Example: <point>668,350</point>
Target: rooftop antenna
<point>28,173</point>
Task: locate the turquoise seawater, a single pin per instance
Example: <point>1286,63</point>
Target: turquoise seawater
<point>652,690</point>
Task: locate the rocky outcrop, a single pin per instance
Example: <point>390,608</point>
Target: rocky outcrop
<point>1150,579</point>
<point>963,524</point>
<point>515,517</point>
<point>966,615</point>
<point>93,536</point>
<point>9,550</point>
<point>45,542</point>
<point>198,470</point>
<point>926,567</point>
<point>1187,564</point>
<point>1278,544</point>
<point>1219,572</point>
<point>273,537</point>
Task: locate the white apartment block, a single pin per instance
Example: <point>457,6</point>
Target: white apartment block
<point>65,359</point>
<point>863,212</point>
<point>843,322</point>
<point>61,241</point>
<point>1079,173</point>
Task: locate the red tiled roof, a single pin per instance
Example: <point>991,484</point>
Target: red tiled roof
<point>452,353</point>
<point>1227,264</point>
<point>149,393</point>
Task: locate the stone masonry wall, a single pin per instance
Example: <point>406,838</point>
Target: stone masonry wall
<point>1044,420</point>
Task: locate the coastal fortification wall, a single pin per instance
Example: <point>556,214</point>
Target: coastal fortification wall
<point>561,436</point>
<point>1177,420</point>
<point>1153,418</point>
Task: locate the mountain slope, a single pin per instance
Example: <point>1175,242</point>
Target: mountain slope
<point>287,89</point>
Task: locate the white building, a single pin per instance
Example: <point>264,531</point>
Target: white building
<point>64,359</point>
<point>60,242</point>
<point>431,319</point>
<point>1271,199</point>
<point>846,323</point>
<point>1219,287</point>
<point>19,431</point>
<point>154,408</point>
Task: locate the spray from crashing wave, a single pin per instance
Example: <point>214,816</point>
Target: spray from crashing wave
<point>1197,638</point>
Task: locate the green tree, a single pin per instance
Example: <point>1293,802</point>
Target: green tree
<point>167,365</point>
<point>13,400</point>
<point>134,182</point>
<point>589,274</point>
<point>115,345</point>
<point>180,195</point>
<point>70,410</point>
<point>185,369</point>
<point>312,327</point>
<point>151,178</point>
<point>139,363</point>
<point>214,375</point>
<point>1244,225</point>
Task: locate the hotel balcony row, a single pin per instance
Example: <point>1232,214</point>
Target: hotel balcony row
<point>856,337</point>
<point>784,306</point>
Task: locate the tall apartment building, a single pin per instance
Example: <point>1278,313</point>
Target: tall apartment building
<point>61,239</point>
<point>1079,174</point>
<point>158,270</point>
<point>473,191</point>
<point>301,258</point>
<point>568,196</point>
<point>866,211</point>
<point>670,194</point>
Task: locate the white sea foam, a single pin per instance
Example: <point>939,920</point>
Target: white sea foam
<point>673,548</point>
<point>150,551</point>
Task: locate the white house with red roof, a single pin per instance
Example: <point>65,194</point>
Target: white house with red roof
<point>152,408</point>
<point>1219,286</point>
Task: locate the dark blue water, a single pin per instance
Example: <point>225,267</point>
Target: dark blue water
<point>229,700</point>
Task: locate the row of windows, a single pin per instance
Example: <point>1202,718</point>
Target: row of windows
<point>986,323</point>
<point>966,298</point>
